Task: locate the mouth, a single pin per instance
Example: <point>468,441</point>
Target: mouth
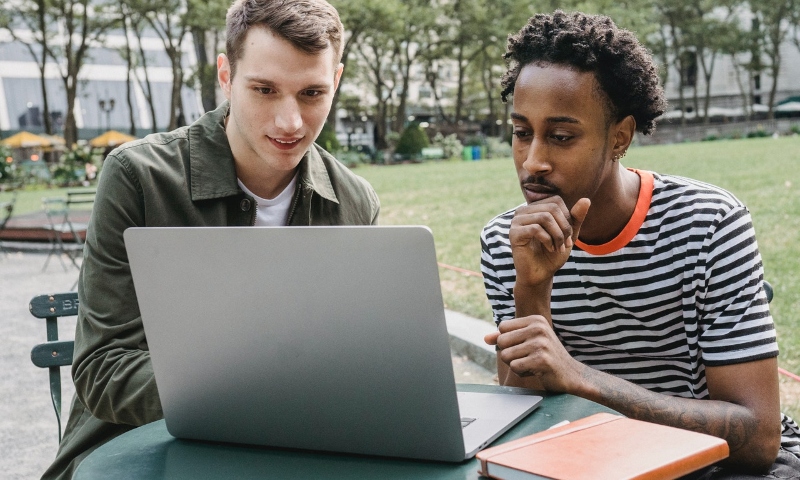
<point>535,190</point>
<point>285,143</point>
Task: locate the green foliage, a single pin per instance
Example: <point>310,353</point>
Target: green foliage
<point>75,167</point>
<point>795,129</point>
<point>758,133</point>
<point>7,169</point>
<point>450,145</point>
<point>327,139</point>
<point>412,141</point>
<point>497,148</point>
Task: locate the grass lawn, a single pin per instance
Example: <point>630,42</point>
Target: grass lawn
<point>455,199</point>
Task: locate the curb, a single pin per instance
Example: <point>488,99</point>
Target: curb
<point>466,338</point>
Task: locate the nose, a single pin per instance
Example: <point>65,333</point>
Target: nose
<point>537,161</point>
<point>288,118</point>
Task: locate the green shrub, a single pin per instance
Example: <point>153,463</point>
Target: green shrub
<point>496,147</point>
<point>450,145</point>
<point>7,169</point>
<point>759,133</point>
<point>76,166</point>
<point>412,141</point>
<point>327,139</point>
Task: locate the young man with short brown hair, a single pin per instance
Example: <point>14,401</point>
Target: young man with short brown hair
<point>252,161</point>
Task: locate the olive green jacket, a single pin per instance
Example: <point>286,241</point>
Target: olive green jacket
<point>181,178</point>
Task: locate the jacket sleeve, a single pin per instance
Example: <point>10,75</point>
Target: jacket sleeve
<point>111,368</point>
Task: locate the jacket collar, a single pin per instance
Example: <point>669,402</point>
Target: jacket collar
<point>213,171</point>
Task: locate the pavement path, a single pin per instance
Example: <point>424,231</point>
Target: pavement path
<point>28,432</point>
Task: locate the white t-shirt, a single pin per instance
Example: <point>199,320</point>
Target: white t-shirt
<point>273,212</point>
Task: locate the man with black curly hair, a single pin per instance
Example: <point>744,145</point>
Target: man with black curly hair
<point>639,291</point>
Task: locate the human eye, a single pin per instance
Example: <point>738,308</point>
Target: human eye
<point>561,136</point>
<point>263,90</point>
<point>521,133</point>
<point>313,93</point>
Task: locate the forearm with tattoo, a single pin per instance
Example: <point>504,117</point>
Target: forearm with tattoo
<point>729,421</point>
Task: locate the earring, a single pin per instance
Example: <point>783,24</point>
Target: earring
<point>619,156</point>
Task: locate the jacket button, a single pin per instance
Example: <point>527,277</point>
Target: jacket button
<point>245,205</point>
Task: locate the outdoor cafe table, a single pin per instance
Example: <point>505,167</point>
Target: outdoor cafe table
<point>150,452</point>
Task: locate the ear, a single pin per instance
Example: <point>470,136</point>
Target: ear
<point>224,75</point>
<point>622,132</point>
<point>338,76</point>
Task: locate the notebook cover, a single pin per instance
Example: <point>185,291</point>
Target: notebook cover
<point>605,447</point>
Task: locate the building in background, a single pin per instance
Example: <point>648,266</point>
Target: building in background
<point>102,101</point>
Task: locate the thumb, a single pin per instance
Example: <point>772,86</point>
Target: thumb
<point>578,213</point>
<point>491,338</point>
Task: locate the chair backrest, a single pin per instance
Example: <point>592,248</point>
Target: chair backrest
<point>7,210</point>
<point>54,354</point>
<point>78,197</point>
<point>55,208</point>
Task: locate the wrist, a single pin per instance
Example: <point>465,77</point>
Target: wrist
<point>532,299</point>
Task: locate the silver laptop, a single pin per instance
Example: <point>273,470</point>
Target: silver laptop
<point>321,338</point>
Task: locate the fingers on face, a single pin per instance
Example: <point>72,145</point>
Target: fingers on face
<point>549,225</point>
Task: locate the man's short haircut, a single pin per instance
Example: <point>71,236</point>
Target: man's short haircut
<point>623,67</point>
<point>310,25</point>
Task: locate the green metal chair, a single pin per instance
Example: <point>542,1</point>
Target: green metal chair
<point>54,354</point>
<point>57,211</point>
<point>768,290</point>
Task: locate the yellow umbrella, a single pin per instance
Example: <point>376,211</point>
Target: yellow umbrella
<point>56,142</point>
<point>111,138</point>
<point>26,140</point>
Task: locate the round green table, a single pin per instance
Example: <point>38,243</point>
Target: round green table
<point>150,452</point>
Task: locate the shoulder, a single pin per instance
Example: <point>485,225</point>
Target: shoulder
<point>673,190</point>
<point>152,149</point>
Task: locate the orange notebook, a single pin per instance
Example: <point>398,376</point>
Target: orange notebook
<point>603,447</point>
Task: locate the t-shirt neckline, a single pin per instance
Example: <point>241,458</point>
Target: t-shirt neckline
<point>634,223</point>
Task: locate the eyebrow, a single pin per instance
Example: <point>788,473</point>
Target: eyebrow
<point>270,83</point>
<point>523,118</point>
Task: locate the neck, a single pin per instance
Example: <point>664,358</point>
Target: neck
<point>267,185</point>
<point>611,208</point>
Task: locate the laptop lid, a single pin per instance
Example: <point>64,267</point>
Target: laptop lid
<point>324,338</point>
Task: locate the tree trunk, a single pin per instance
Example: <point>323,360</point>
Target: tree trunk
<point>148,92</point>
<point>128,89</point>
<point>206,72</point>
<point>70,128</point>
<point>460,91</point>
<point>48,124</point>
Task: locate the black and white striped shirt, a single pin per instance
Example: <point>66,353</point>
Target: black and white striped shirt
<point>680,288</point>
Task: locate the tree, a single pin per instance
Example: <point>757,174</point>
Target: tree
<point>358,17</point>
<point>377,56</point>
<point>82,26</point>
<point>709,34</point>
<point>773,29</point>
<point>170,20</point>
<point>34,16</point>
<point>206,21</point>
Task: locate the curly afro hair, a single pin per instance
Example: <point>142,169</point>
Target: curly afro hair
<point>623,67</point>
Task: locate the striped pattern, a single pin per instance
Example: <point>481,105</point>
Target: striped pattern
<point>684,293</point>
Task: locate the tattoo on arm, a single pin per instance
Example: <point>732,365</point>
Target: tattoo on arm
<point>720,419</point>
